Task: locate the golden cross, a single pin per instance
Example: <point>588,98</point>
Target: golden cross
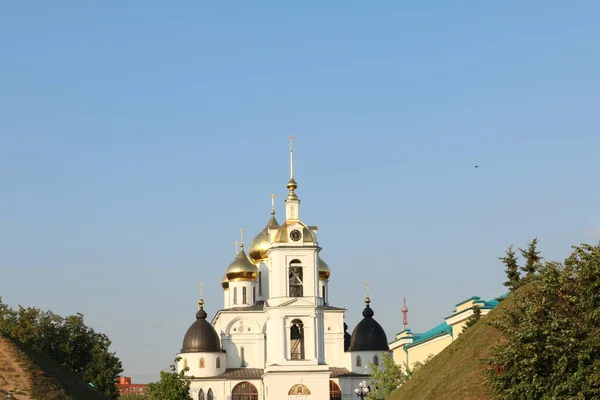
<point>241,238</point>
<point>367,286</point>
<point>291,156</point>
<point>201,286</point>
<point>342,301</point>
<point>237,245</point>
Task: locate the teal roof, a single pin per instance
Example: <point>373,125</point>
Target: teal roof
<point>475,298</point>
<point>407,330</point>
<point>441,329</point>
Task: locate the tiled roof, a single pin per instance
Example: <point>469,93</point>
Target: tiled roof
<point>251,373</point>
<point>337,372</point>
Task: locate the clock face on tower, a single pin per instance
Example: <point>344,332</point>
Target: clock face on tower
<point>295,235</point>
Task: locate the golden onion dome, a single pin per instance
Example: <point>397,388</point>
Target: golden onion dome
<point>324,271</point>
<point>285,229</point>
<point>225,282</point>
<point>261,243</point>
<point>241,269</point>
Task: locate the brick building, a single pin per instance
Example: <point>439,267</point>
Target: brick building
<point>126,387</point>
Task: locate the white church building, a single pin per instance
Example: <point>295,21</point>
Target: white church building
<point>276,336</point>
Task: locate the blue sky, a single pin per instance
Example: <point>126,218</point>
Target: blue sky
<point>137,138</point>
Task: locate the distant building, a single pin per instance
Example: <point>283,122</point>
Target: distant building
<point>409,347</point>
<point>126,387</point>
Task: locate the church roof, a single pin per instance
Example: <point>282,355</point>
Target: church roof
<point>337,372</point>
<point>236,373</point>
<point>201,337</point>
<point>250,373</point>
<point>368,335</point>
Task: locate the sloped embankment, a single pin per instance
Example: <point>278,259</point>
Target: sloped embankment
<point>26,374</point>
<point>458,371</point>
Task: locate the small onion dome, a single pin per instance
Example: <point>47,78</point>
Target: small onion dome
<point>201,337</point>
<point>241,269</point>
<point>324,271</point>
<point>292,185</point>
<point>368,334</point>
<point>261,243</point>
<point>284,230</point>
<point>225,282</point>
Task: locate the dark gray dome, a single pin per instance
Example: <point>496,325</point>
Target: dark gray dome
<point>201,337</point>
<point>368,334</point>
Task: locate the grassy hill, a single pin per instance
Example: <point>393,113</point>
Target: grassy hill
<point>26,374</point>
<point>457,372</point>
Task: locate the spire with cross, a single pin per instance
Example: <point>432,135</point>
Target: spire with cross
<point>201,301</point>
<point>273,204</point>
<point>291,157</point>
<point>292,202</point>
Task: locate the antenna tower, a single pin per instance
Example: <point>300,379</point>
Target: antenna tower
<point>404,314</point>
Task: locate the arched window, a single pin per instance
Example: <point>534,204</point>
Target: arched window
<point>376,360</point>
<point>253,294</point>
<point>242,356</point>
<point>218,362</point>
<point>259,283</point>
<point>234,295</point>
<point>201,395</point>
<point>209,395</point>
<point>185,364</point>
<point>201,362</point>
<point>335,393</point>
<point>244,391</point>
<point>297,340</point>
<point>244,298</point>
<point>296,279</point>
<point>358,361</point>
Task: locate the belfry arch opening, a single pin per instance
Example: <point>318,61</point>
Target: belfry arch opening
<point>335,393</point>
<point>244,391</point>
<point>297,340</point>
<point>296,279</point>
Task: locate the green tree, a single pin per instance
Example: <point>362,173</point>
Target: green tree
<point>134,396</point>
<point>385,378</point>
<point>472,320</point>
<point>388,376</point>
<point>551,348</point>
<point>104,367</point>
<point>68,341</point>
<point>172,385</point>
<point>512,269</point>
<point>532,258</point>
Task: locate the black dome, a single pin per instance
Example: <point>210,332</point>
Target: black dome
<point>368,334</point>
<point>201,337</point>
